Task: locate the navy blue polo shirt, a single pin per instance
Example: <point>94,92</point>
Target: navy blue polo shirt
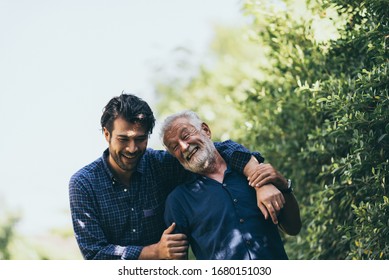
<point>222,220</point>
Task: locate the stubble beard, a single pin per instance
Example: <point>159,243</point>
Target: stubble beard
<point>117,157</point>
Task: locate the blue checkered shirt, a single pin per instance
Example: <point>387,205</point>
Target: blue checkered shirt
<point>113,221</point>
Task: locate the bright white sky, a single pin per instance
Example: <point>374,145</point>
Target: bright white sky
<point>60,63</point>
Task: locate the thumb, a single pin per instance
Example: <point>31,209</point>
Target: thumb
<point>170,229</point>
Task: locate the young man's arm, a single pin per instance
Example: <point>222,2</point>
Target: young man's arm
<point>243,161</point>
<point>94,244</point>
<point>171,173</point>
<point>89,234</point>
<point>260,174</point>
<point>175,215</point>
<point>270,200</point>
<point>238,156</point>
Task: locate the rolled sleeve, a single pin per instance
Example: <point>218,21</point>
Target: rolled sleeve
<point>236,155</point>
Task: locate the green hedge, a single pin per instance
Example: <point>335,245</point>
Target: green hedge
<point>321,114</point>
<point>310,92</point>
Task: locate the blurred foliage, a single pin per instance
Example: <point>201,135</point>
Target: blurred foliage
<point>211,88</point>
<point>7,232</point>
<point>44,246</point>
<point>314,100</point>
<point>57,244</point>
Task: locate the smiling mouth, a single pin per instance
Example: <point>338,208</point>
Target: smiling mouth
<point>129,157</point>
<point>191,153</point>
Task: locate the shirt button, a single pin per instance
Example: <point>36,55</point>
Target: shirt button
<point>224,185</point>
<point>133,230</point>
<point>248,242</point>
<point>235,200</point>
<point>125,190</point>
<point>241,221</point>
<point>132,209</point>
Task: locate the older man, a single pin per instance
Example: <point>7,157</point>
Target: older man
<point>216,208</point>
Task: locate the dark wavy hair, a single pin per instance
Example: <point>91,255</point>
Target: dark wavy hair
<point>130,107</point>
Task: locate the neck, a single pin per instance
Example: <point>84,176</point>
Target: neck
<point>123,176</point>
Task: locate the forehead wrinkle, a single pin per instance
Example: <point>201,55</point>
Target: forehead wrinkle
<point>130,133</point>
<point>175,129</point>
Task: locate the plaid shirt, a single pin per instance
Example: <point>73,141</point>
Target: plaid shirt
<point>112,221</point>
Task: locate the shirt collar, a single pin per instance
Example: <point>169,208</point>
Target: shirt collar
<point>104,158</point>
<point>194,176</point>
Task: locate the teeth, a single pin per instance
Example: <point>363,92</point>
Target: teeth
<point>191,153</point>
<point>129,157</point>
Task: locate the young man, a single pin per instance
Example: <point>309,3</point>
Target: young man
<point>217,209</point>
<point>117,202</point>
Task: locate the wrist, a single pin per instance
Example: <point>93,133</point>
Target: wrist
<point>150,252</point>
<point>288,188</point>
<point>250,167</point>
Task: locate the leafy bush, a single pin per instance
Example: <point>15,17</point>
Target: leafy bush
<point>322,116</point>
<point>7,227</point>
<point>316,104</point>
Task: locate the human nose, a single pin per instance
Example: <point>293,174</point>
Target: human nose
<point>131,147</point>
<point>183,145</point>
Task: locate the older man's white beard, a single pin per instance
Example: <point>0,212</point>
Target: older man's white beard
<point>203,161</point>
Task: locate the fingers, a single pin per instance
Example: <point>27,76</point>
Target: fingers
<point>170,229</point>
<point>273,213</point>
<point>173,238</point>
<point>176,253</point>
<point>257,176</point>
<point>263,174</point>
<point>262,180</point>
<point>176,239</point>
<point>270,201</point>
<point>173,246</point>
<point>263,210</point>
<point>281,201</point>
<point>278,202</point>
<point>179,255</point>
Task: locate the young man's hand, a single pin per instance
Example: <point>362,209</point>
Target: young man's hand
<point>260,174</point>
<point>171,246</point>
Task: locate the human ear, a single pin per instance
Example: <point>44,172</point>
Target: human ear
<point>107,135</point>
<point>206,129</point>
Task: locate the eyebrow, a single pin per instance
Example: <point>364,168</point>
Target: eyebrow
<point>173,144</point>
<point>183,130</point>
<point>126,136</point>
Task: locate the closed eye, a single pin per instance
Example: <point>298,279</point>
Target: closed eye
<point>141,139</point>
